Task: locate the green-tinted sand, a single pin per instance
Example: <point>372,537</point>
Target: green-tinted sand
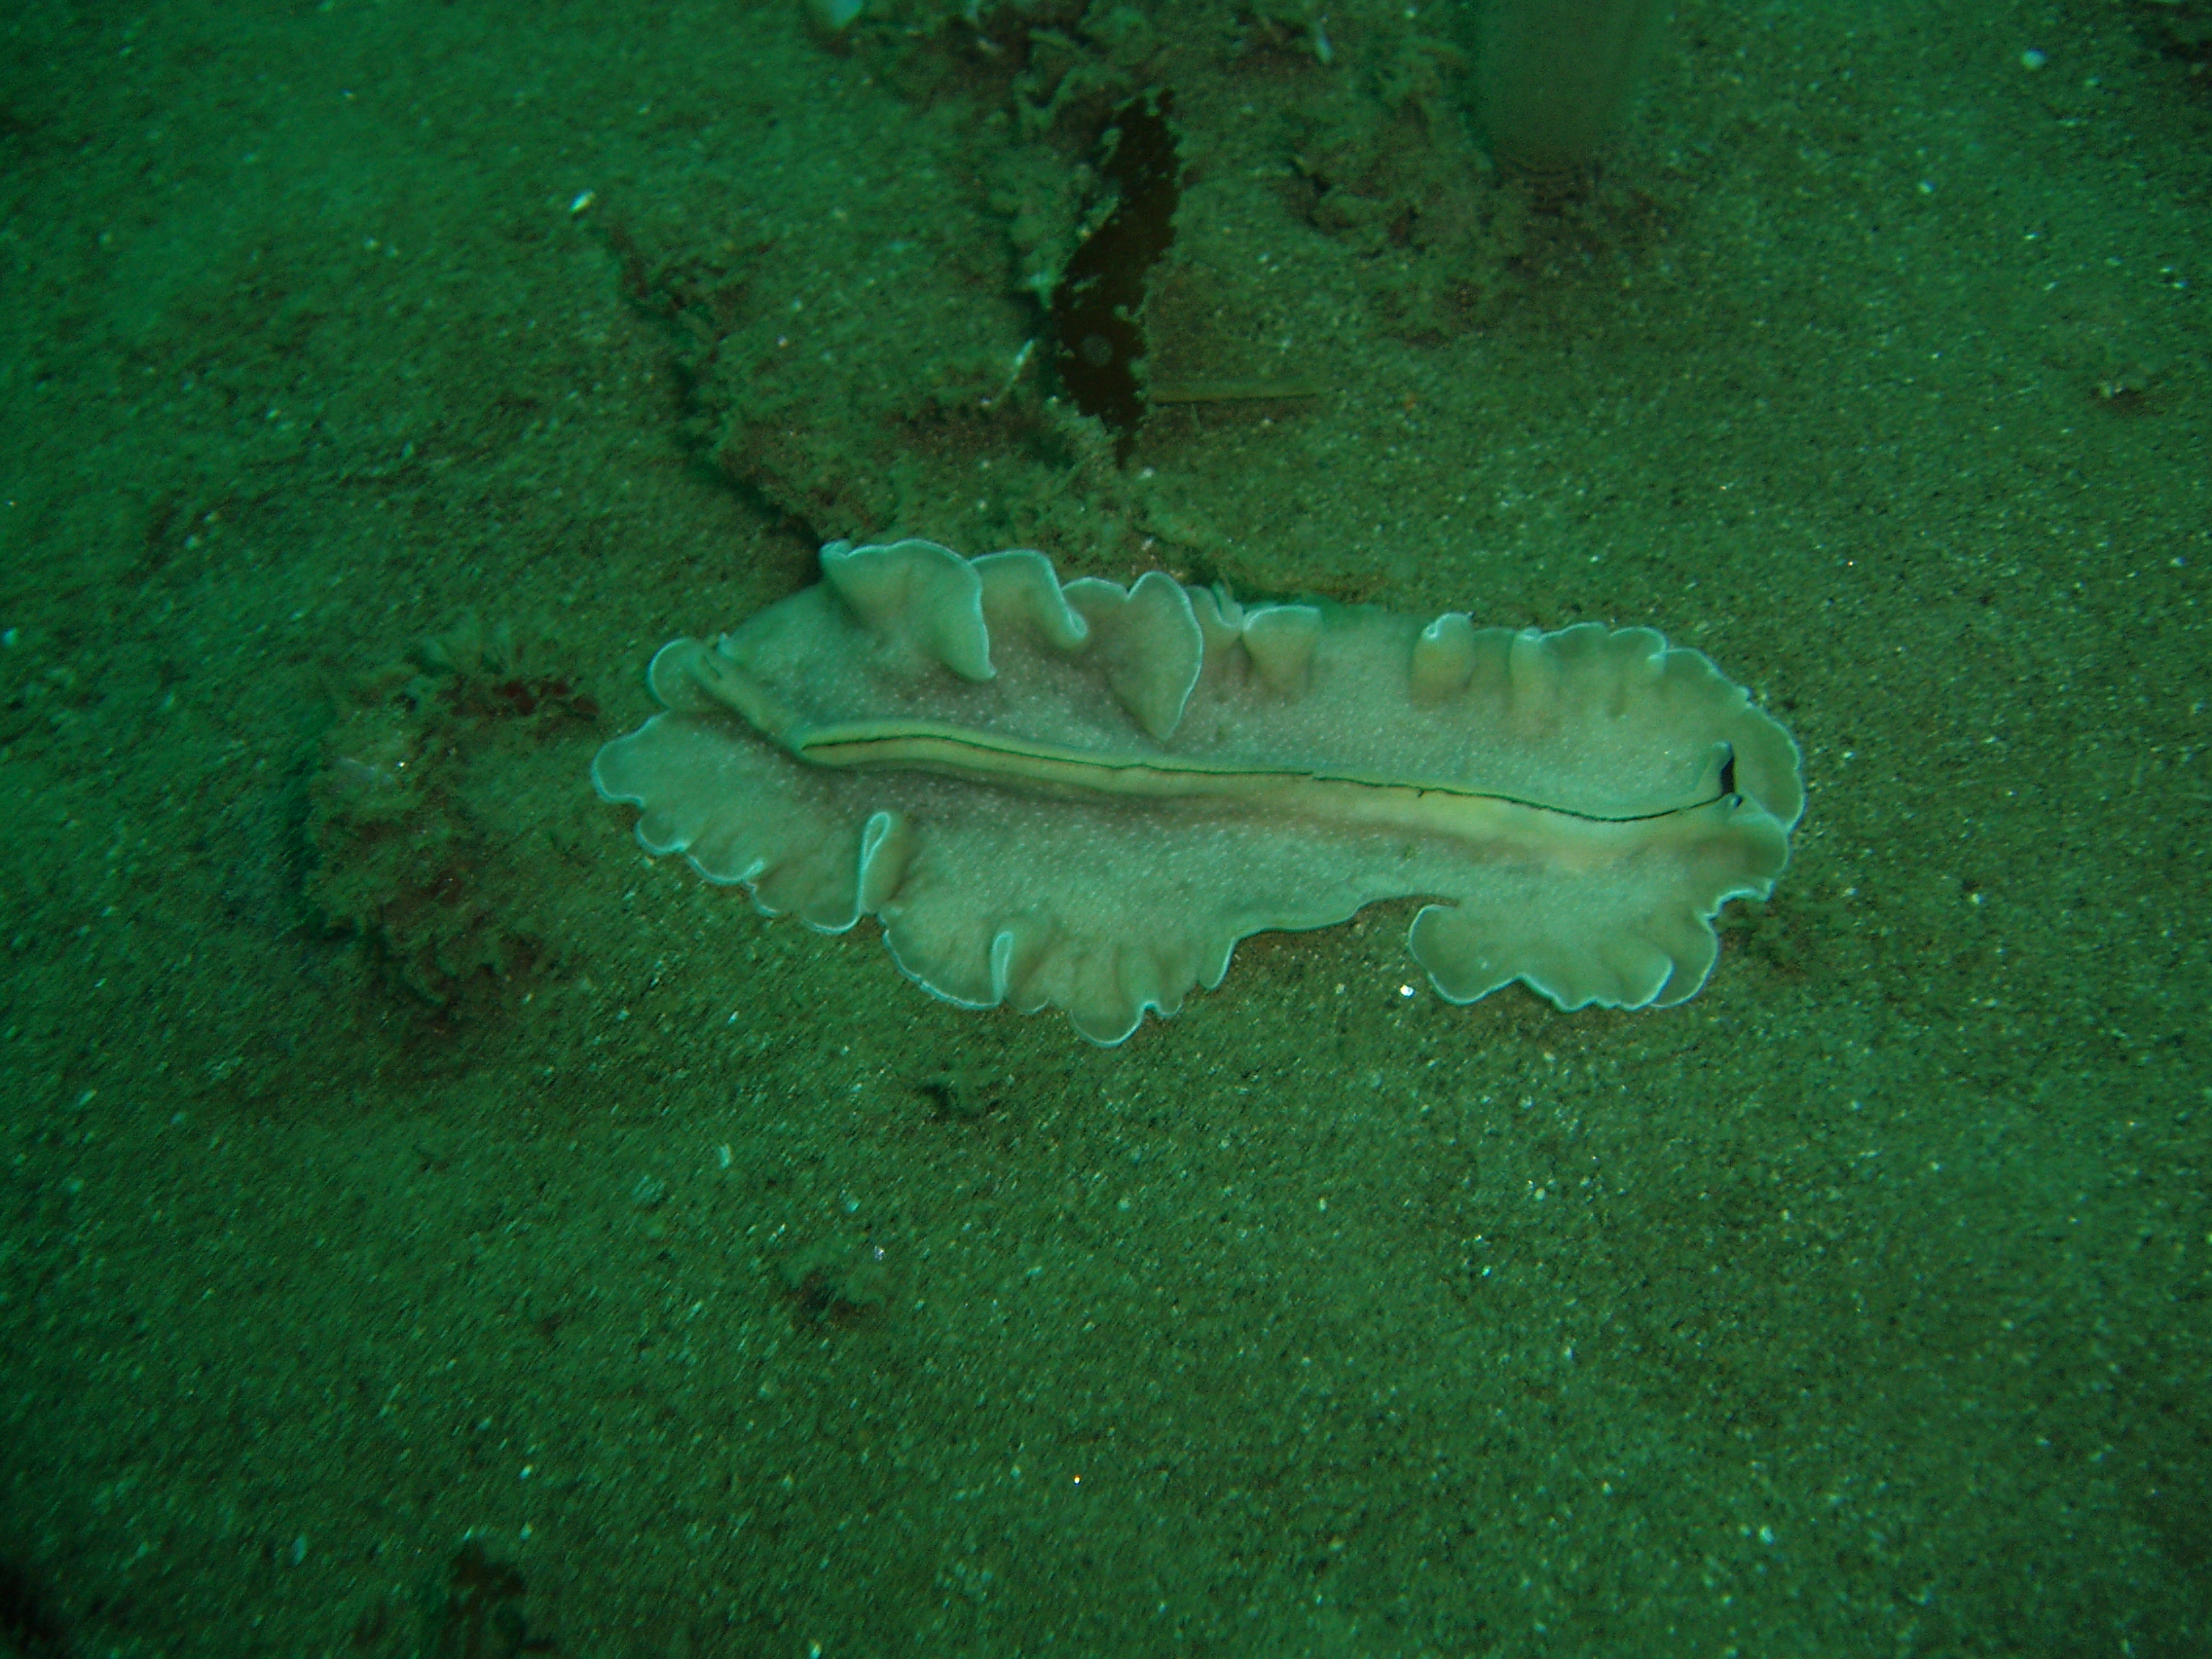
<point>391,1157</point>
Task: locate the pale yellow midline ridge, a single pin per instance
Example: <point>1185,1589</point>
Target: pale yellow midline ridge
<point>956,752</point>
<point>960,751</point>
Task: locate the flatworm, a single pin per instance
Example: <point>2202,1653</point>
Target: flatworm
<point>1082,796</point>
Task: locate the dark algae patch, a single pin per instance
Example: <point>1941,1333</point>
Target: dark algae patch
<point>1098,309</point>
<point>476,1612</point>
<point>425,850</point>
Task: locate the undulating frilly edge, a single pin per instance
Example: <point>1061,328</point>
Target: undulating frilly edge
<point>1082,796</point>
